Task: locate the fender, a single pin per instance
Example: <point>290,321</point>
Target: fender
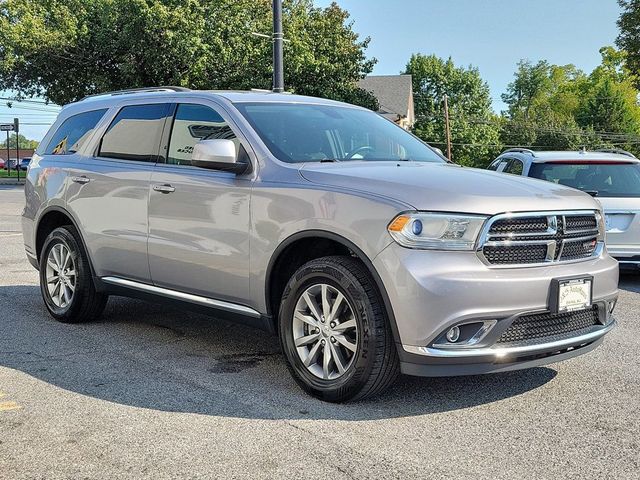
<point>65,212</point>
<point>353,248</point>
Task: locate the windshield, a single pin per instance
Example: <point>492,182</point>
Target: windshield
<point>604,179</point>
<point>312,133</point>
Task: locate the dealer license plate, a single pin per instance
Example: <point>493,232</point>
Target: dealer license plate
<point>574,294</point>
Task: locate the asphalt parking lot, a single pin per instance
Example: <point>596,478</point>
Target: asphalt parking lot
<point>150,392</point>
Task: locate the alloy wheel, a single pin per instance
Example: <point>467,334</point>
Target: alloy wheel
<point>325,331</point>
<point>60,275</point>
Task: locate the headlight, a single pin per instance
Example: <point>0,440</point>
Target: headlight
<point>602,227</point>
<point>436,231</point>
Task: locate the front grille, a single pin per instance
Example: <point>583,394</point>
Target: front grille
<point>550,326</point>
<point>515,254</point>
<point>521,225</point>
<point>522,239</point>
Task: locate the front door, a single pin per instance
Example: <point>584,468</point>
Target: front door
<point>199,218</point>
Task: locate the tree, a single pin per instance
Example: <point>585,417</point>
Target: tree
<point>474,127</point>
<point>66,49</point>
<point>560,107</point>
<point>629,38</point>
<point>24,142</point>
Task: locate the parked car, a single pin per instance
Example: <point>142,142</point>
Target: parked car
<point>611,176</point>
<point>360,246</point>
<point>10,164</point>
<point>1,163</point>
<point>24,164</point>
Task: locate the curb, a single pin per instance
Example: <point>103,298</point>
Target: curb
<point>11,181</point>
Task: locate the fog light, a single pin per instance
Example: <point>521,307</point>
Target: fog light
<point>453,335</point>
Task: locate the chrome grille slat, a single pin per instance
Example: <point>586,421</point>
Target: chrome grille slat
<point>539,238</point>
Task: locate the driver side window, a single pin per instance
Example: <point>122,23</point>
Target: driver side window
<point>191,124</point>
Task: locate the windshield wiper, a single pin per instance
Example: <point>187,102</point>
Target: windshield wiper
<point>329,160</point>
<point>593,193</point>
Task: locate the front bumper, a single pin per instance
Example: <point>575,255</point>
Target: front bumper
<point>432,291</point>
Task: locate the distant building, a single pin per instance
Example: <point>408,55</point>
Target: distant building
<point>395,96</point>
<point>24,153</point>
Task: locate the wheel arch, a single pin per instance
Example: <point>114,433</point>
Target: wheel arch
<point>275,283</point>
<point>50,219</point>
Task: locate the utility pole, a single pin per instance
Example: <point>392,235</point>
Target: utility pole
<point>447,127</point>
<point>8,164</point>
<point>278,51</point>
<point>16,128</point>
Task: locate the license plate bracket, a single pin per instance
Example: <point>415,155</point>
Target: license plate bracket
<point>571,294</point>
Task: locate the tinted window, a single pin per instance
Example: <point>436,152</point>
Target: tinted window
<point>74,132</point>
<point>307,133</point>
<point>514,168</point>
<point>193,123</point>
<point>607,179</point>
<point>499,166</point>
<point>135,133</point>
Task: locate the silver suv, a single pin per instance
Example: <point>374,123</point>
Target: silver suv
<point>358,244</point>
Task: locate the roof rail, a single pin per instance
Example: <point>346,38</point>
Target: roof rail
<point>138,90</point>
<point>520,150</point>
<point>619,151</point>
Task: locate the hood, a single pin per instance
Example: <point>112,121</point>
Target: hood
<point>448,188</point>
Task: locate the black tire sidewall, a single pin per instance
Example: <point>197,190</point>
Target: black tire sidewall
<point>356,376</point>
<point>65,236</point>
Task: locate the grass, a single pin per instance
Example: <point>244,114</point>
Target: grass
<point>12,174</point>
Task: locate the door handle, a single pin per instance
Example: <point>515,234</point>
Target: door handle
<point>166,188</point>
<point>81,180</point>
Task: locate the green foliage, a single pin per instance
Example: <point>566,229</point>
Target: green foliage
<point>24,142</point>
<point>629,38</point>
<point>560,107</point>
<point>65,49</point>
<point>474,131</point>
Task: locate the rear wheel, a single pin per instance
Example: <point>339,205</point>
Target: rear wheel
<point>335,332</point>
<point>65,278</point>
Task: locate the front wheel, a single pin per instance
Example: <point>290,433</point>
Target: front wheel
<point>65,278</point>
<point>335,333</point>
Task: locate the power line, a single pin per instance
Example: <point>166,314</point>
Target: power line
<point>37,102</point>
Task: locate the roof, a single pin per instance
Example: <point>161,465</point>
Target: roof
<point>235,96</point>
<point>107,99</point>
<point>394,93</point>
<point>576,155</point>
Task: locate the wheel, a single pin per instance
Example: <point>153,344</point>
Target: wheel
<point>65,278</point>
<point>335,333</point>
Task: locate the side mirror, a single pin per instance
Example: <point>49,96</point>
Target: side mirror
<point>439,151</point>
<point>218,154</point>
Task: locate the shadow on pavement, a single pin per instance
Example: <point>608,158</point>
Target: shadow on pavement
<point>630,281</point>
<point>149,356</point>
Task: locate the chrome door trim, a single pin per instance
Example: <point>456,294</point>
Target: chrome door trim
<point>187,297</point>
<point>501,352</point>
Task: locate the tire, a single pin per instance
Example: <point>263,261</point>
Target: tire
<point>79,302</point>
<point>358,334</point>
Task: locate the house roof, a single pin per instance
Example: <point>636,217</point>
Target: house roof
<point>394,93</point>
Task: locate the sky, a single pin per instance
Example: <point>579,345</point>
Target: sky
<point>492,35</point>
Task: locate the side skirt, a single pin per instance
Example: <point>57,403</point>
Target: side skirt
<point>208,306</point>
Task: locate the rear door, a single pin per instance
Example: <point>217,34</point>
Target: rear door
<point>199,218</point>
<point>109,190</point>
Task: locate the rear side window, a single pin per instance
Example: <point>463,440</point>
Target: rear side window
<point>515,167</point>
<point>193,123</point>
<point>499,166</point>
<point>135,133</point>
<point>74,132</point>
